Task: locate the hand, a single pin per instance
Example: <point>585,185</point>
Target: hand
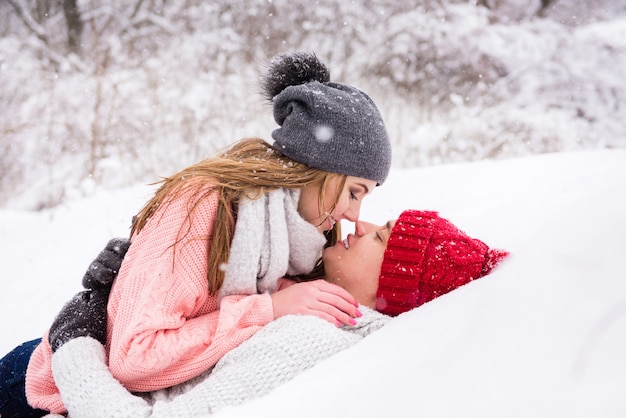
<point>284,283</point>
<point>318,298</point>
<point>86,314</point>
<point>103,270</point>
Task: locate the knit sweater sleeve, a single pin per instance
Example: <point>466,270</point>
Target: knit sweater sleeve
<point>87,386</point>
<point>164,327</point>
<point>283,349</point>
<point>279,352</point>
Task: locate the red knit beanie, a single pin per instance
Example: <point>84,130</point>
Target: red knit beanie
<point>426,257</point>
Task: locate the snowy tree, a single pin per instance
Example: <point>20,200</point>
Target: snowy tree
<point>93,93</point>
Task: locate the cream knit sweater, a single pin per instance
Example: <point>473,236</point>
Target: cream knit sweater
<point>274,355</point>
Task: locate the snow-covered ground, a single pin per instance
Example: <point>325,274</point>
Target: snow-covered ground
<point>542,336</point>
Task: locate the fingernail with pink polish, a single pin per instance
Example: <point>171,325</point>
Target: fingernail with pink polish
<point>358,314</point>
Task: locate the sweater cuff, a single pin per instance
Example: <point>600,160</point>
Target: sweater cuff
<point>87,387</point>
<point>267,308</point>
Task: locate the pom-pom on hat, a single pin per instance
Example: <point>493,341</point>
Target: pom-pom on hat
<point>427,256</point>
<point>330,126</point>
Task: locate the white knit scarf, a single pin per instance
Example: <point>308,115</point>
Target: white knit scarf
<point>271,239</point>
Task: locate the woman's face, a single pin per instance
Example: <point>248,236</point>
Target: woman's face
<point>354,263</point>
<point>348,206</point>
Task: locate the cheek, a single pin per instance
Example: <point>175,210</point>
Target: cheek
<point>342,205</point>
<point>307,205</point>
<point>369,282</point>
<point>366,263</point>
<point>373,264</point>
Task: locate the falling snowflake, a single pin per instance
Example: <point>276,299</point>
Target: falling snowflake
<point>323,133</point>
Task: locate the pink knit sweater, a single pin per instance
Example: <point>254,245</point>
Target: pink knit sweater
<point>164,328</point>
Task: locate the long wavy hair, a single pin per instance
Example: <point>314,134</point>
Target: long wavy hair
<point>249,168</point>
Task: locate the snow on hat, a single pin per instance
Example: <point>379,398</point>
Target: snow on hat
<point>330,126</point>
<point>426,257</point>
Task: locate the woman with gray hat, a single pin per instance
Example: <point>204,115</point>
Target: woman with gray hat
<point>201,274</point>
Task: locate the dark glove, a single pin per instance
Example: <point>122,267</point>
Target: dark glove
<point>86,314</point>
<point>103,270</point>
<point>83,316</point>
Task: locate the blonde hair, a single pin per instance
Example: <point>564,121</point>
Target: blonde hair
<point>249,168</point>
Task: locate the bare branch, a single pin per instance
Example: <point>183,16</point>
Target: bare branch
<point>74,25</point>
<point>30,23</point>
<point>545,4</point>
<point>136,9</point>
<point>58,59</point>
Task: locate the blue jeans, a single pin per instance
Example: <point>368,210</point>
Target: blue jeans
<point>13,366</point>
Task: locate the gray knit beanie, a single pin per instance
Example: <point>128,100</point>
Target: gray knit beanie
<point>330,126</point>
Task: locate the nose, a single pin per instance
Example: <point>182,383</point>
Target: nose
<point>359,228</point>
<point>353,211</point>
<point>362,228</point>
<point>352,214</point>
